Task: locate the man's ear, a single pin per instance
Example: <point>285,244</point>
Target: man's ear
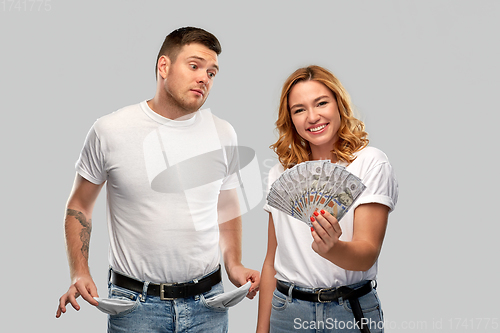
<point>163,66</point>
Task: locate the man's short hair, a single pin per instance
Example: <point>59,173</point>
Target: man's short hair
<point>178,38</point>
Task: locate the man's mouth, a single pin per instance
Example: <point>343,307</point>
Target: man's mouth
<point>198,92</point>
<point>317,128</point>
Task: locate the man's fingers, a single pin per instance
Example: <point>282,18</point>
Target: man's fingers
<point>66,299</point>
<point>93,293</point>
<point>86,293</point>
<point>73,302</point>
<point>255,278</point>
<point>252,294</point>
<point>61,309</point>
<point>84,287</point>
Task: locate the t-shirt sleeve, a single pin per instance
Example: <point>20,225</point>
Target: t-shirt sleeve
<point>381,187</point>
<point>90,164</point>
<point>232,180</point>
<point>274,174</point>
<point>266,207</point>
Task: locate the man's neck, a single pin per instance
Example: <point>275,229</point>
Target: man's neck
<point>166,110</point>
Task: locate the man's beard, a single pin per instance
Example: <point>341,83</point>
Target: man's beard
<point>184,107</point>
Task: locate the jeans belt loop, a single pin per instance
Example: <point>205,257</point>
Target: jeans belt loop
<point>144,291</point>
<point>290,291</point>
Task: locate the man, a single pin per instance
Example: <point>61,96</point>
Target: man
<point>171,184</point>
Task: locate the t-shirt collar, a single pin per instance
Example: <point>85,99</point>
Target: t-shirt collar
<point>179,122</point>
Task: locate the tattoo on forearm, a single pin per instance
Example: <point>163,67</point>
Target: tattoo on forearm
<point>85,233</point>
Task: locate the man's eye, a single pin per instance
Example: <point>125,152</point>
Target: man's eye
<point>193,66</point>
<point>211,74</point>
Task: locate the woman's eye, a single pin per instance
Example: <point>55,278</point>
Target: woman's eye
<point>297,111</point>
<point>322,103</point>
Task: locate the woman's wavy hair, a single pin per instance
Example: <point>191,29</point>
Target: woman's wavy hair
<point>291,147</point>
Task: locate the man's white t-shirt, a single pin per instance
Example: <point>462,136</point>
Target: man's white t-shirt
<point>295,260</point>
<point>163,180</point>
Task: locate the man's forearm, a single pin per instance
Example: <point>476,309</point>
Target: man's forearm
<point>78,228</point>
<point>230,242</point>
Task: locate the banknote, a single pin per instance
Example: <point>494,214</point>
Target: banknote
<point>344,196</point>
<point>315,185</point>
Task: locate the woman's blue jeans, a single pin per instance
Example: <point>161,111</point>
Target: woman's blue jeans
<point>293,315</point>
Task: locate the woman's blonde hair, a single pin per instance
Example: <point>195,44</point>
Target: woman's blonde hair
<point>291,147</point>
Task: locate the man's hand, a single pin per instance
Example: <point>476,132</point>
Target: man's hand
<point>230,242</point>
<point>82,286</point>
<point>239,275</point>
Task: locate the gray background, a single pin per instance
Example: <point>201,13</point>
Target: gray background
<point>423,75</point>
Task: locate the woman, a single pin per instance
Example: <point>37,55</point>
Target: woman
<point>321,278</point>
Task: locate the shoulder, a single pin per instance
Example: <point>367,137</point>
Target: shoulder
<point>372,153</point>
<point>219,122</point>
<point>277,168</point>
<point>118,118</point>
<point>223,127</point>
<point>367,160</point>
<point>276,171</point>
<point>373,167</point>
<point>370,156</point>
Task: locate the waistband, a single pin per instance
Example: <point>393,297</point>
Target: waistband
<point>168,291</point>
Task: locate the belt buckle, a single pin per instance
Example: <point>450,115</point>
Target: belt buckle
<point>319,294</point>
<point>162,291</point>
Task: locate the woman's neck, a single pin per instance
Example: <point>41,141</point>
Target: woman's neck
<point>323,155</point>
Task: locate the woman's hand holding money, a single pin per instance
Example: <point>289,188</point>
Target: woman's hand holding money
<point>359,253</point>
<point>326,232</point>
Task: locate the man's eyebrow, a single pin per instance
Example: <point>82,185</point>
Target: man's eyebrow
<point>202,60</point>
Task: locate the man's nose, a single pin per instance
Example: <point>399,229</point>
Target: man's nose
<point>203,78</point>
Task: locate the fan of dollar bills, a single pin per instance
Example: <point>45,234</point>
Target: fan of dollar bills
<point>312,186</point>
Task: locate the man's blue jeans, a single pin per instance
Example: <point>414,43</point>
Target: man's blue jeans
<point>151,314</point>
<point>294,315</point>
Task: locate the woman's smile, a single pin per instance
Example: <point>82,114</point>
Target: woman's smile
<point>315,115</point>
<point>317,129</point>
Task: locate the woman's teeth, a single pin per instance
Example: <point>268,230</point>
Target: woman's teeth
<point>319,128</point>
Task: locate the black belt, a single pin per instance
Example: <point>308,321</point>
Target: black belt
<point>330,295</point>
<point>168,291</point>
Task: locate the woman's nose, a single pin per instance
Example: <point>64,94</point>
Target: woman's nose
<point>313,117</point>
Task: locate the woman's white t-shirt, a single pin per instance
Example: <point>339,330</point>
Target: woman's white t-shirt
<point>295,260</point>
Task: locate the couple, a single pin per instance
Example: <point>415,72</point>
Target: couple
<point>165,240</point>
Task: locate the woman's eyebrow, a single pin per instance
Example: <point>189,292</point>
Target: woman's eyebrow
<point>317,99</point>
